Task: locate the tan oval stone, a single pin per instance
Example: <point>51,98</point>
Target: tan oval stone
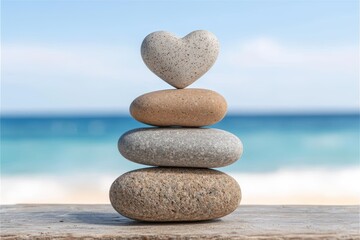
<point>189,107</point>
<point>174,194</point>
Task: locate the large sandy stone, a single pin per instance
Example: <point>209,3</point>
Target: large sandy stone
<point>181,147</point>
<point>174,194</point>
<point>179,107</point>
<point>180,61</point>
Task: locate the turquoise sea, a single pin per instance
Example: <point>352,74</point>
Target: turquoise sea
<point>288,159</point>
<point>63,145</point>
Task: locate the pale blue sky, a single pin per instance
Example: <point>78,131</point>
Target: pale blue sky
<point>83,56</point>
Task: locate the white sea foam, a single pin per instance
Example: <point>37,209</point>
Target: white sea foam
<point>317,186</point>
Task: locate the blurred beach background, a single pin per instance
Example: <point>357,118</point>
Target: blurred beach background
<point>289,71</point>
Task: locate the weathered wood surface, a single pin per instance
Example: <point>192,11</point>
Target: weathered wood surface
<point>247,222</point>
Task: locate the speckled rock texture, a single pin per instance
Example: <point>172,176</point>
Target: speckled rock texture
<point>181,147</point>
<point>174,194</point>
<point>180,61</point>
<point>189,107</point>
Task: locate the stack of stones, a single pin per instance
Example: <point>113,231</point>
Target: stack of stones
<point>181,187</point>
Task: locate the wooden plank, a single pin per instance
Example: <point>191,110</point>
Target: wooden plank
<point>247,222</point>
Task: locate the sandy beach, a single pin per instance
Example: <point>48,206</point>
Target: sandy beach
<point>318,187</point>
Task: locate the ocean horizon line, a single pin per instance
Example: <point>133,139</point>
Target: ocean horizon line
<point>229,115</point>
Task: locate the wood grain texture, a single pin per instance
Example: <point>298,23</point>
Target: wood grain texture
<point>247,222</point>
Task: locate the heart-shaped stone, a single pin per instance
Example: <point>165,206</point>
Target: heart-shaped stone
<point>180,61</point>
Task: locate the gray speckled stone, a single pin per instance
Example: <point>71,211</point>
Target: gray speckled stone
<point>181,147</point>
<point>180,61</point>
<point>175,194</point>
